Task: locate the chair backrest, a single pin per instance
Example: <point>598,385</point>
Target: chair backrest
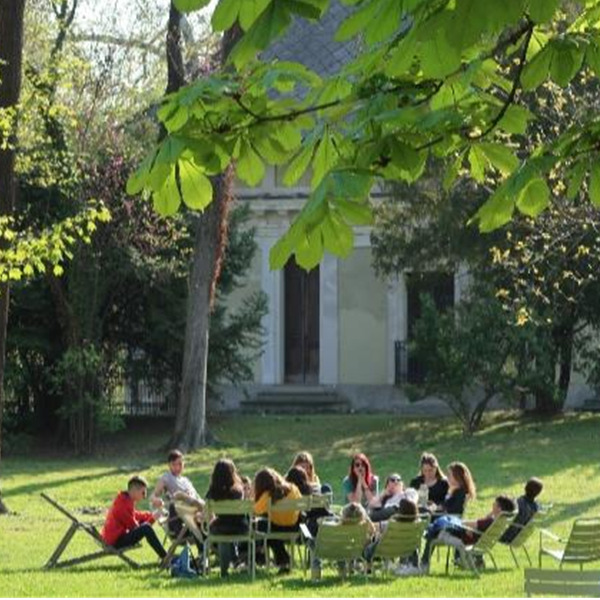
<point>493,533</point>
<point>400,539</point>
<point>62,509</point>
<point>214,508</point>
<point>562,583</point>
<point>341,542</point>
<point>290,505</point>
<point>583,544</point>
<point>320,501</point>
<point>524,532</point>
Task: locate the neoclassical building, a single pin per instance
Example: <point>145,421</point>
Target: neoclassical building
<point>335,337</point>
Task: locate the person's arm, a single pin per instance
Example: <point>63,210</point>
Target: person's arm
<point>124,514</point>
<point>349,491</point>
<point>156,496</point>
<point>143,516</point>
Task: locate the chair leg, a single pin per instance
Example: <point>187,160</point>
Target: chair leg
<point>447,559</point>
<point>205,560</point>
<point>493,561</point>
<point>514,556</point>
<point>527,555</point>
<point>62,545</point>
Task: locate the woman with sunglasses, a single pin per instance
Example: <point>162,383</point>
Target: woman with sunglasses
<point>361,485</point>
<point>382,507</point>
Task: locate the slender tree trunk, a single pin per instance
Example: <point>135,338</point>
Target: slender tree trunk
<point>11,56</point>
<point>210,240</point>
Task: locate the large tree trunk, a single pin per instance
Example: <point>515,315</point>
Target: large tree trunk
<point>11,54</point>
<point>210,240</point>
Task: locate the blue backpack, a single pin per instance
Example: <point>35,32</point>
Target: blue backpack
<point>181,566</point>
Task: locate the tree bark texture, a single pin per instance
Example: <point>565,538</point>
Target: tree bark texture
<point>11,58</point>
<point>210,241</point>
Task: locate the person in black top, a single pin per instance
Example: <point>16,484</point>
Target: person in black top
<point>461,488</point>
<point>527,507</point>
<point>226,484</point>
<point>433,477</point>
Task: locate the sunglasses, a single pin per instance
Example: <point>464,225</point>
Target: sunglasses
<point>359,465</point>
<point>394,480</point>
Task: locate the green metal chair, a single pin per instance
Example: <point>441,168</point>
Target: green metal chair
<point>582,546</point>
<point>336,542</point>
<point>214,508</point>
<point>483,546</point>
<point>401,539</point>
<point>562,583</point>
<point>525,533</point>
<point>292,538</point>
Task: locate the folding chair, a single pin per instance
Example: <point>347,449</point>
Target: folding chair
<point>190,531</point>
<point>562,583</point>
<point>214,508</point>
<point>89,529</point>
<point>582,545</point>
<point>401,539</point>
<point>336,542</point>
<point>292,538</point>
<point>484,545</point>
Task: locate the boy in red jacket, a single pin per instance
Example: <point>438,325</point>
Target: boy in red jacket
<point>125,526</point>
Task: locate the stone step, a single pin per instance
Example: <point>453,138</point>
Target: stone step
<point>296,399</point>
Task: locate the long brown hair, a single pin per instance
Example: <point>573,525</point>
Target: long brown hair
<point>463,476</point>
<point>224,479</point>
<point>305,458</point>
<point>270,481</point>
<point>427,458</point>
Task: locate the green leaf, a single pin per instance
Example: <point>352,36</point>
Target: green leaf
<point>225,14</point>
<point>595,185</point>
<point>325,158</point>
<point>576,176</point>
<point>355,212</point>
<point>309,251</point>
<point>478,162</point>
<point>357,21</point>
<point>516,119</point>
<point>386,22</point>
<point>566,61</point>
<point>536,71</point>
<point>534,197</point>
<point>196,188</point>
<point>138,180</point>
<point>190,5</point>
<point>249,166</point>
<point>270,24</point>
<point>500,157</point>
<point>250,10</point>
<point>541,11</point>
<point>592,57</point>
<point>167,199</point>
<point>407,163</point>
<point>338,237</point>
<point>298,165</point>
<point>169,150</point>
<point>496,212</point>
<point>439,58</point>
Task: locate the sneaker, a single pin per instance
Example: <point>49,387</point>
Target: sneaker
<point>406,570</point>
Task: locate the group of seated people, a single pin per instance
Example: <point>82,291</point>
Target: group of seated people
<point>432,495</point>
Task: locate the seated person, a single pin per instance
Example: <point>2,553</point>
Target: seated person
<point>472,530</point>
<point>305,461</point>
<point>226,484</point>
<point>352,514</point>
<point>382,507</point>
<point>431,478</point>
<point>527,507</point>
<point>269,484</point>
<point>125,526</point>
<point>361,485</point>
<point>175,486</point>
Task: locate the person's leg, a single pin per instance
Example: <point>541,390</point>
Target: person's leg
<point>226,553</point>
<point>136,535</point>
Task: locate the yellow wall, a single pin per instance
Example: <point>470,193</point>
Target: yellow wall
<point>363,321</point>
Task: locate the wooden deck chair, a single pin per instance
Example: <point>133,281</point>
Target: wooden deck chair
<point>401,539</point>
<point>582,546</point>
<point>562,583</point>
<point>214,508</point>
<point>89,529</point>
<point>293,538</point>
<point>190,530</point>
<point>335,542</point>
<point>483,546</point>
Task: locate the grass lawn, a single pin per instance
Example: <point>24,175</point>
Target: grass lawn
<point>565,453</point>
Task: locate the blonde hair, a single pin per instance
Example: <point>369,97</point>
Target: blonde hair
<point>305,458</point>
